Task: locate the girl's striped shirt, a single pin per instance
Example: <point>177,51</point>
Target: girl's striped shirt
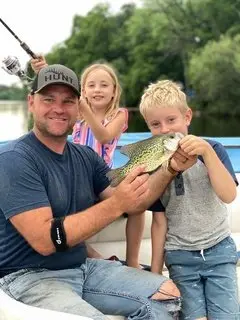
<point>82,134</point>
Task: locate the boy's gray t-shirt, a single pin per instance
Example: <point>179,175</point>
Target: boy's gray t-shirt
<point>197,218</point>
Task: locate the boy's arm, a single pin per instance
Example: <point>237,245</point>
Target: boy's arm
<point>158,231</point>
<point>220,177</point>
<point>221,180</point>
<point>134,232</point>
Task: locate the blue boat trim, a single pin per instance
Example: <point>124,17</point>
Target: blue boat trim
<point>232,145</point>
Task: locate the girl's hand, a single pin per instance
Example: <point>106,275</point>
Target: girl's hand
<point>38,64</point>
<point>195,146</point>
<point>83,105</point>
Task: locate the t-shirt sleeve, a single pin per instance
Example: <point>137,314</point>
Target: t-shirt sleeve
<point>100,180</point>
<point>21,187</point>
<point>223,156</point>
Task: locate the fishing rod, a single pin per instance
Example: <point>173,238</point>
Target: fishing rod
<point>11,64</point>
<point>22,44</point>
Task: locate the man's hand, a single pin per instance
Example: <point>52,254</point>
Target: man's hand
<point>182,161</point>
<point>133,191</point>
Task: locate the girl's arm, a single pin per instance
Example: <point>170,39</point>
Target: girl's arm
<point>158,231</point>
<point>134,232</point>
<point>103,134</point>
<point>92,253</point>
<point>221,180</point>
<point>38,64</point>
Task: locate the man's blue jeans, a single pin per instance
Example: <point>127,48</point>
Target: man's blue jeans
<point>96,288</point>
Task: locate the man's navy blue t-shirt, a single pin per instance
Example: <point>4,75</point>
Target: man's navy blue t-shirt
<point>33,176</point>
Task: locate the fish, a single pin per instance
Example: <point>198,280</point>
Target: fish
<point>152,152</point>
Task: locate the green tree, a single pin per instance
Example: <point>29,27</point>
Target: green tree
<point>149,57</point>
<point>215,75</point>
<point>12,93</point>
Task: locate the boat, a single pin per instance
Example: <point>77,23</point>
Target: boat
<point>111,240</point>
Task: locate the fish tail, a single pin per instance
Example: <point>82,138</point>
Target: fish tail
<point>115,176</point>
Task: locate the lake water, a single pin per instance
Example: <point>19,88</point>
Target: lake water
<point>13,119</point>
<point>14,123</point>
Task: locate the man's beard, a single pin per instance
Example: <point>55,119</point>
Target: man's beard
<point>46,132</point>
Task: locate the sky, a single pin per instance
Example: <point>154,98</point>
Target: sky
<point>41,25</point>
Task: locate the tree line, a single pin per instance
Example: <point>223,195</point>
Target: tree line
<point>193,42</point>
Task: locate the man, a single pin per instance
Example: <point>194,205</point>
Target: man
<point>48,207</point>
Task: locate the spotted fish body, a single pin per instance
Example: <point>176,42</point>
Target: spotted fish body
<point>152,152</point>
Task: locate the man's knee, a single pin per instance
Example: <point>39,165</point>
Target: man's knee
<point>168,290</point>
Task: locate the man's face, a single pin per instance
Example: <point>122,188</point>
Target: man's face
<point>54,110</point>
<point>168,119</point>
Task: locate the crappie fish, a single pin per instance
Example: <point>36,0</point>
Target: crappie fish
<point>152,152</point>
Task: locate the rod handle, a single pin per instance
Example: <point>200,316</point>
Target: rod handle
<point>28,50</point>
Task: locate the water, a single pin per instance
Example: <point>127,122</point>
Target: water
<point>211,126</point>
<point>13,119</point>
<point>14,123</point>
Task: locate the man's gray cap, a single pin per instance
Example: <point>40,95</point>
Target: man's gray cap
<point>56,74</point>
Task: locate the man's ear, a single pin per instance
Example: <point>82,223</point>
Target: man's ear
<point>30,103</point>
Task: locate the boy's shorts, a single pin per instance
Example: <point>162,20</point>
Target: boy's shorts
<point>207,281</point>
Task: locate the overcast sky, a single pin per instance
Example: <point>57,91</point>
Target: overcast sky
<point>41,25</point>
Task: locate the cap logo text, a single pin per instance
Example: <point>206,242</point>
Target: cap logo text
<point>54,75</point>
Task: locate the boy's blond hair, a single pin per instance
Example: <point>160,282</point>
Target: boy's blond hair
<point>164,93</point>
<point>114,105</point>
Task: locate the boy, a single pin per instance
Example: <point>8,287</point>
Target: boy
<point>199,253</point>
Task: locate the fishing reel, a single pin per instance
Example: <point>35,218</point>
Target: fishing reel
<point>12,66</point>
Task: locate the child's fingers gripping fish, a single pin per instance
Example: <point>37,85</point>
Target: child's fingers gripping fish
<point>152,152</point>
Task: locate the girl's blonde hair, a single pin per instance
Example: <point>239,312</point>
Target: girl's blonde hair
<point>164,93</point>
<point>114,104</point>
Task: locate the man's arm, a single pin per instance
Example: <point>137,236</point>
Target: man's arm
<point>159,180</point>
<point>132,195</point>
<point>34,225</point>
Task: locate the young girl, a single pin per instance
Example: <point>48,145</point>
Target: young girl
<point>100,124</point>
<point>101,121</point>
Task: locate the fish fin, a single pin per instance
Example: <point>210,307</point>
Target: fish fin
<point>129,149</point>
<point>115,176</point>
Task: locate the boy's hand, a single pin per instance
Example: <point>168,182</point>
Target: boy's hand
<point>38,64</point>
<point>195,146</point>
